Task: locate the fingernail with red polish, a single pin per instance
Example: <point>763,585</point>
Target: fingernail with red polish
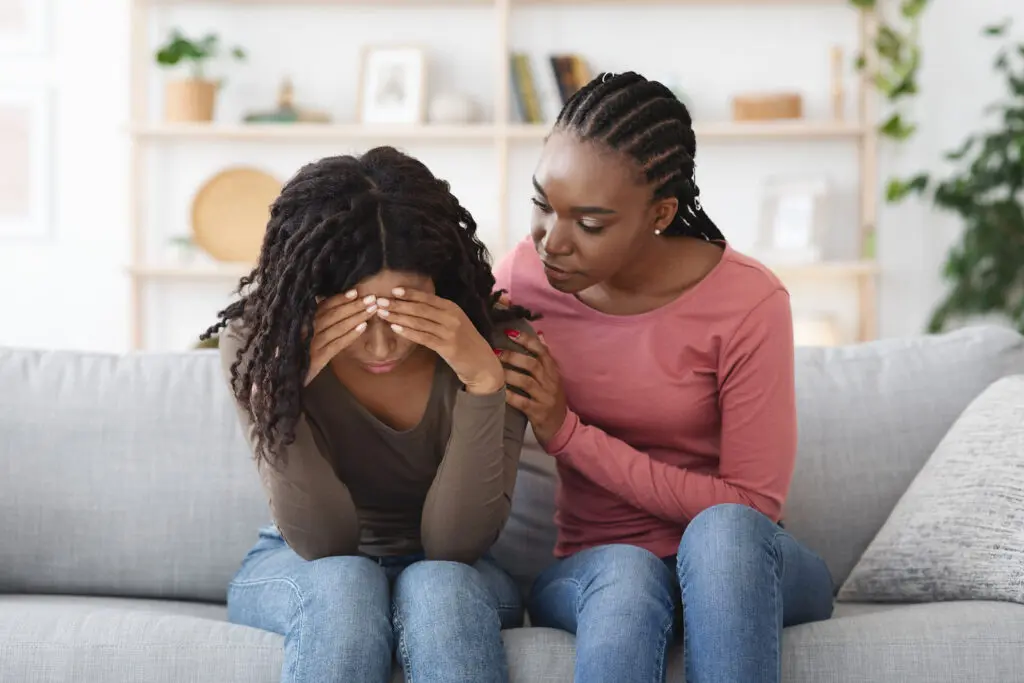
<point>497,352</point>
<point>512,334</point>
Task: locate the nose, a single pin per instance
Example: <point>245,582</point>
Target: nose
<point>555,237</point>
<point>380,340</point>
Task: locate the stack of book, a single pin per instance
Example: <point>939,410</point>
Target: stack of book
<point>539,96</point>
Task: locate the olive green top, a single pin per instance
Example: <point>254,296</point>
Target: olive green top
<point>350,484</point>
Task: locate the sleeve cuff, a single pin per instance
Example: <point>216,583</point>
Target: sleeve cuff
<point>480,401</point>
<point>564,434</point>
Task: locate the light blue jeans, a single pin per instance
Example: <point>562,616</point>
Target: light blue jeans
<point>343,618</point>
<point>738,579</point>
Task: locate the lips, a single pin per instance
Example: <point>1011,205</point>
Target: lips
<point>381,367</point>
<point>555,273</point>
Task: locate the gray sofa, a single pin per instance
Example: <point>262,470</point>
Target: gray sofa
<point>127,499</point>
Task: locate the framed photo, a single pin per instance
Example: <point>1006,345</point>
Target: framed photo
<point>793,220</point>
<point>25,137</point>
<point>392,85</point>
<point>23,27</point>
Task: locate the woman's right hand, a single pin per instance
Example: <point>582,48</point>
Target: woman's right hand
<point>339,321</point>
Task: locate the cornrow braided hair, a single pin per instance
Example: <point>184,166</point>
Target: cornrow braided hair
<point>337,222</point>
<point>644,120</point>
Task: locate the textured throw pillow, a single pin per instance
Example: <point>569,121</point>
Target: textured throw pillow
<point>958,531</point>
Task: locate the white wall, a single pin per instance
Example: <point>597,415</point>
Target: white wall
<point>70,291</point>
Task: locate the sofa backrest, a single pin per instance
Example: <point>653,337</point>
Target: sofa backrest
<point>122,475</point>
<point>869,416</point>
<point>128,474</point>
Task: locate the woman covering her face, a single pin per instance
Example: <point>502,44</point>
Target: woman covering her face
<point>362,358</point>
<point>663,387</point>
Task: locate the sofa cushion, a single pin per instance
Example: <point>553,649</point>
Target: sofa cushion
<point>122,475</point>
<point>958,531</point>
<point>870,415</point>
<point>46,639</point>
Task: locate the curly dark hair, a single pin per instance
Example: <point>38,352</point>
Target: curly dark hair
<point>645,121</point>
<point>337,222</point>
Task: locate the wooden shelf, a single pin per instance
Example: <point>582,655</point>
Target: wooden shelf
<point>297,132</point>
<point>225,271</point>
<point>484,3</point>
<point>232,271</point>
<point>782,130</point>
<point>825,269</point>
<point>501,135</point>
<point>316,132</point>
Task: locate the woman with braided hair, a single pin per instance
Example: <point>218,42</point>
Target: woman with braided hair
<point>663,387</point>
<point>361,359</point>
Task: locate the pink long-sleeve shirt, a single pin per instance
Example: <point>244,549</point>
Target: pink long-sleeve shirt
<point>671,411</point>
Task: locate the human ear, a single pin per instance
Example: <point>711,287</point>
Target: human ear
<point>663,212</point>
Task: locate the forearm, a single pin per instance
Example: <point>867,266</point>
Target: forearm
<point>671,493</point>
<point>471,496</point>
<point>310,505</point>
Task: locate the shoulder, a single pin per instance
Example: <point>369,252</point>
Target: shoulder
<point>521,274</point>
<point>751,275</point>
<point>230,342</point>
<point>500,338</point>
<point>756,301</point>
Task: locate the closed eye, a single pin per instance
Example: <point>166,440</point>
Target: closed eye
<point>541,204</point>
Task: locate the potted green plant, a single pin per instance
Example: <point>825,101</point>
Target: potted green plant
<point>192,98</point>
<point>985,269</point>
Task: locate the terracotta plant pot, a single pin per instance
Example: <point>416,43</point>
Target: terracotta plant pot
<point>189,100</point>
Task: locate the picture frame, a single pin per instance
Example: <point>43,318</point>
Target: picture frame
<point>23,27</point>
<point>392,85</point>
<point>25,167</point>
<point>792,224</point>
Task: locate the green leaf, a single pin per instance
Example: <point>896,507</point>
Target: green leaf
<point>897,190</point>
<point>238,53</point>
<point>961,151</point>
<point>863,4</point>
<point>895,127</point>
<point>911,9</point>
<point>998,29</point>
<point>888,43</point>
<point>1002,61</point>
<point>860,62</point>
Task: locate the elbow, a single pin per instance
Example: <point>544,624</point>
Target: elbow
<point>462,551</point>
<point>455,543</point>
<point>312,547</point>
<point>769,506</point>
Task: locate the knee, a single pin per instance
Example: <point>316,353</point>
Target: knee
<point>438,583</point>
<point>726,539</point>
<point>333,586</point>
<point>446,595</point>
<point>626,576</point>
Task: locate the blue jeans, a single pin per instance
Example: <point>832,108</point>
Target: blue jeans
<point>738,579</point>
<point>343,618</point>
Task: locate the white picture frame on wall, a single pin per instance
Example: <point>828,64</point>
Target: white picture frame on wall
<point>25,165</point>
<point>793,220</point>
<point>23,25</point>
<point>392,85</point>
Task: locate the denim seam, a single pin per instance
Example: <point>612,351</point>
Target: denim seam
<point>403,651</point>
<point>663,648</point>
<point>779,570</point>
<point>302,612</point>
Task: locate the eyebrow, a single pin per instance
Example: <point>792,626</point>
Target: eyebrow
<point>574,209</point>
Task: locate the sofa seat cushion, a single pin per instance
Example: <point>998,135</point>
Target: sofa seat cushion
<point>44,639</point>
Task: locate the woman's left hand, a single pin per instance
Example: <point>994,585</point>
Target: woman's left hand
<point>545,408</point>
<point>442,326</point>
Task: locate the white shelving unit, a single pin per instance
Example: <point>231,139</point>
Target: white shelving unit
<point>502,134</point>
